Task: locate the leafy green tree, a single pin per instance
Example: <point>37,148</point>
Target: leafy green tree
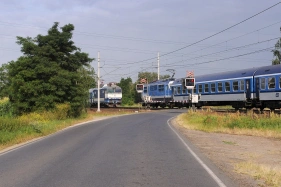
<point>150,76</point>
<point>4,81</point>
<point>277,52</point>
<point>128,91</point>
<point>51,71</point>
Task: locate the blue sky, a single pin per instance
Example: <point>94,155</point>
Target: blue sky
<point>129,33</point>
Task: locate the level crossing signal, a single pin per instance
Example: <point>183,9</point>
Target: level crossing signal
<point>189,83</point>
<point>139,88</point>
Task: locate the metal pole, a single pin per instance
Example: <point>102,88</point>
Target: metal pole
<point>98,82</point>
<point>158,66</point>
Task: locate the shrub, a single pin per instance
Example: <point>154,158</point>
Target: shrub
<point>5,107</point>
<point>62,111</point>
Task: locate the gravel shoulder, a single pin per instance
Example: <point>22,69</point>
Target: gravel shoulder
<point>227,150</point>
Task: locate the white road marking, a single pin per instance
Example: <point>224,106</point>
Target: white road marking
<point>211,173</point>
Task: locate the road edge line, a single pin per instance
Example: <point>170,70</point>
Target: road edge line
<point>209,171</point>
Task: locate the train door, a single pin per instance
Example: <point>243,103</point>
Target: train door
<point>248,88</point>
<point>257,88</point>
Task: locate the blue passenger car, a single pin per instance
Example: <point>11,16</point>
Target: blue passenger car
<point>180,95</point>
<point>258,87</point>
<point>267,84</point>
<point>228,88</point>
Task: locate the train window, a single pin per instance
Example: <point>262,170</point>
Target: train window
<point>219,86</point>
<point>145,90</point>
<point>235,85</point>
<point>195,88</point>
<point>227,86</point>
<point>200,88</point>
<point>189,91</point>
<point>95,93</point>
<point>161,88</point>
<point>183,89</point>
<point>179,89</point>
<point>279,82</point>
<point>213,87</point>
<point>271,82</point>
<point>242,85</point>
<point>206,90</point>
<point>262,81</point>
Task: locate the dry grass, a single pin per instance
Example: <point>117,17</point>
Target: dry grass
<point>267,176</point>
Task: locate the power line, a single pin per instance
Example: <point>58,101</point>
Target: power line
<point>210,61</point>
<point>211,35</point>
<point>236,48</point>
<point>197,57</point>
<point>222,30</point>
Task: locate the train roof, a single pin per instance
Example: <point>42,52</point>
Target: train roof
<point>226,75</point>
<point>250,72</point>
<point>161,81</point>
<point>268,70</point>
<point>177,82</point>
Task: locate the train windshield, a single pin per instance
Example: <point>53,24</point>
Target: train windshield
<point>114,90</point>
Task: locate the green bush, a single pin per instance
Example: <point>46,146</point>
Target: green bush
<point>5,107</point>
<point>62,111</point>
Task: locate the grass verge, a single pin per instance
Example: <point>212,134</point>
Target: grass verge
<point>21,129</point>
<point>236,123</point>
<point>233,123</point>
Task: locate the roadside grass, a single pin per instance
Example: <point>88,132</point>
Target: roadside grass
<point>267,176</point>
<point>268,126</point>
<point>16,130</point>
<point>233,123</point>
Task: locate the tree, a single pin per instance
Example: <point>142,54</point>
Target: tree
<point>151,76</point>
<point>277,52</point>
<point>128,91</point>
<point>4,81</point>
<point>52,70</point>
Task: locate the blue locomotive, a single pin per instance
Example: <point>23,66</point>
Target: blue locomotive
<point>157,93</point>
<point>110,96</point>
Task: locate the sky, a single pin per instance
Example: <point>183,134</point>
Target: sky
<point>189,35</point>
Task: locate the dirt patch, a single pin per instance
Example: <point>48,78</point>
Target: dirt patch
<point>226,151</point>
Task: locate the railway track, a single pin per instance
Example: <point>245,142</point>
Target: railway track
<point>218,110</point>
<point>126,109</point>
<point>243,111</point>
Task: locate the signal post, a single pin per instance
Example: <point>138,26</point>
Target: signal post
<point>190,84</point>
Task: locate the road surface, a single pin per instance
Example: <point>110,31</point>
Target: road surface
<point>133,150</point>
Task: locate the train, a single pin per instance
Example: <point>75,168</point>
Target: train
<point>258,87</point>
<point>110,96</point>
<point>157,93</point>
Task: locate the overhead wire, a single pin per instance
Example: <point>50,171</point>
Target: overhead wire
<point>210,61</point>
<point>212,34</point>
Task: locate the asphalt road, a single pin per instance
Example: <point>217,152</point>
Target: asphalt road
<point>133,150</point>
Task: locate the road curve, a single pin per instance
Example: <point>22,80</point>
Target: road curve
<point>132,150</point>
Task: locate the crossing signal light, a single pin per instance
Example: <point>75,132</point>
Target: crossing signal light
<point>139,88</point>
<point>190,82</point>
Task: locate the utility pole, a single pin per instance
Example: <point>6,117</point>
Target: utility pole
<point>158,67</point>
<point>98,82</point>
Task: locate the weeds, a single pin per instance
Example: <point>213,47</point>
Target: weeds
<point>234,123</point>
<point>14,130</point>
<point>270,176</point>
